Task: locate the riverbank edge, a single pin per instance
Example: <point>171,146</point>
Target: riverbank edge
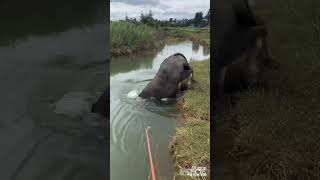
<point>190,146</point>
<point>163,38</point>
<point>125,50</point>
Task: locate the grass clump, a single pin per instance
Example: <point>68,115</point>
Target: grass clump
<point>196,102</point>
<point>191,144</point>
<point>279,126</point>
<point>128,36</point>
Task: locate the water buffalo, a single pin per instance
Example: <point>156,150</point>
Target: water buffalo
<point>239,38</point>
<point>167,82</point>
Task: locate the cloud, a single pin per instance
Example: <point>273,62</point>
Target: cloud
<point>138,2</point>
<point>164,9</point>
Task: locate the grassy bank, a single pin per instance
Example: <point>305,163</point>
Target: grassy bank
<point>277,136</point>
<point>191,144</point>
<point>129,37</point>
<point>200,35</point>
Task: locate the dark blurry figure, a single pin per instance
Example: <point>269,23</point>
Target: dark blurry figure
<point>102,105</point>
<point>239,44</point>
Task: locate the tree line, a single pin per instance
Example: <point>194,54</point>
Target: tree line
<point>199,20</point>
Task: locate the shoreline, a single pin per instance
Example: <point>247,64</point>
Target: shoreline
<point>165,37</point>
<point>125,51</point>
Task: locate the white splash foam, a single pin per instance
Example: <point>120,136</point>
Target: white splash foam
<point>133,94</point>
<point>165,99</point>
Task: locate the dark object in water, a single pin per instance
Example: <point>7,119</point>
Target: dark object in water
<point>102,105</point>
<point>166,83</point>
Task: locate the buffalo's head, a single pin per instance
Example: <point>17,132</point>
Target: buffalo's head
<point>175,69</point>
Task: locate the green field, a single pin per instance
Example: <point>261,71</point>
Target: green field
<point>200,35</point>
<point>278,126</point>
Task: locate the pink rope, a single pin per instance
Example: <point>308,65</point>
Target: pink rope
<point>150,155</point>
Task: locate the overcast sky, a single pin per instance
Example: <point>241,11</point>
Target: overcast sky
<point>161,9</point>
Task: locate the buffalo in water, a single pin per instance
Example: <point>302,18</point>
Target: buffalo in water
<point>174,75</point>
<point>169,79</point>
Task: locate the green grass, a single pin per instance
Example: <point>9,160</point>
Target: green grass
<point>191,143</point>
<point>126,35</point>
<point>280,125</point>
<point>201,35</point>
<point>196,101</point>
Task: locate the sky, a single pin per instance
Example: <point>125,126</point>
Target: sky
<point>161,9</point>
